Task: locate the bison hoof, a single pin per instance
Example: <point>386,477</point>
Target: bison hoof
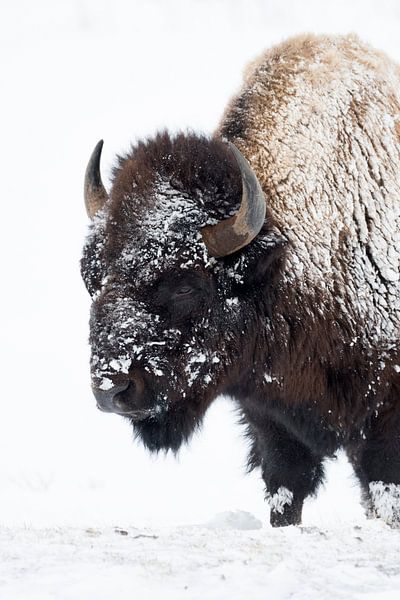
<point>291,515</point>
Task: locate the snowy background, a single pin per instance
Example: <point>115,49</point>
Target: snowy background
<point>85,512</point>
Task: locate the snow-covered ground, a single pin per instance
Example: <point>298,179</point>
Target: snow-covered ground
<point>71,72</point>
<point>234,561</point>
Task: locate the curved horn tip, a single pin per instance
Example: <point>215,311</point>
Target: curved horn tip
<point>94,192</point>
<point>99,147</point>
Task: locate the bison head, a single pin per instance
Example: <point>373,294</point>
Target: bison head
<point>177,260</point>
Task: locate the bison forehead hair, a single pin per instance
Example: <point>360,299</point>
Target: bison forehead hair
<point>164,311</point>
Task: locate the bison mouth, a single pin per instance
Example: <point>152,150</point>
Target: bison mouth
<point>134,415</point>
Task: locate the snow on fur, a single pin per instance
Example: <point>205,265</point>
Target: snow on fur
<point>282,497</point>
<point>386,501</point>
<point>326,149</point>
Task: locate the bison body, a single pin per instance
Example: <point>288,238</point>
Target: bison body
<point>298,321</point>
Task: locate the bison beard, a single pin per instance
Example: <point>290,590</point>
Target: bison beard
<point>293,313</point>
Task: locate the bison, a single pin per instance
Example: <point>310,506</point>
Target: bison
<point>262,263</point>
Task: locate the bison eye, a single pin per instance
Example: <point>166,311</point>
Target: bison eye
<point>185,290</point>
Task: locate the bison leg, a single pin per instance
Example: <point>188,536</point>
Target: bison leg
<point>377,465</point>
<point>291,472</point>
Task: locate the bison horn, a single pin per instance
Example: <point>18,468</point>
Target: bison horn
<point>234,233</point>
<point>94,191</point>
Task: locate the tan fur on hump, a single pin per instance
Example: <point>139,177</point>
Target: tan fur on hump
<point>318,117</point>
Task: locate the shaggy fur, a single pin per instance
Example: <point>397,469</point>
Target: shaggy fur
<point>302,326</point>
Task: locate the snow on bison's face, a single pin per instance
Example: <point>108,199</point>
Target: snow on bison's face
<point>173,295</point>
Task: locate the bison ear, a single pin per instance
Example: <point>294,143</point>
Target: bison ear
<point>265,261</point>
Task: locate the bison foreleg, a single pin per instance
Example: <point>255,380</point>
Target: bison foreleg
<point>377,465</point>
<point>291,472</point>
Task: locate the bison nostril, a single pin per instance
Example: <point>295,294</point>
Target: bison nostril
<point>105,398</point>
<point>124,400</point>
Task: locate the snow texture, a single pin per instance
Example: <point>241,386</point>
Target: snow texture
<point>235,562</point>
<point>240,520</point>
<point>283,497</point>
<point>386,501</point>
<point>335,104</point>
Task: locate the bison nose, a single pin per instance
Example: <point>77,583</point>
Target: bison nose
<point>125,397</point>
<point>107,399</point>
